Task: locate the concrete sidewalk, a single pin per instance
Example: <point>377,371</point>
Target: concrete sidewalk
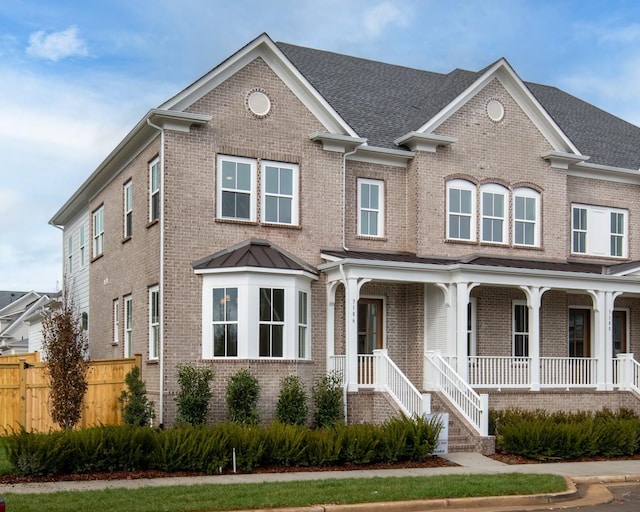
<point>592,473</point>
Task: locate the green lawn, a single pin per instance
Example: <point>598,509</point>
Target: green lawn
<point>285,494</point>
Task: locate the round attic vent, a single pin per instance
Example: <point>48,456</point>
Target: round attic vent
<point>259,103</point>
<point>495,110</point>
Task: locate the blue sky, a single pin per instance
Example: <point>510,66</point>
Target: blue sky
<point>75,76</point>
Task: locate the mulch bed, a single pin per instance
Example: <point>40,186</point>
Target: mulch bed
<point>507,458</point>
<point>430,462</point>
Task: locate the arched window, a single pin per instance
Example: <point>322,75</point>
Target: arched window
<point>526,217</point>
<point>494,207</point>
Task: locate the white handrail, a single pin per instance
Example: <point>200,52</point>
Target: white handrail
<point>390,378</point>
<point>474,407</point>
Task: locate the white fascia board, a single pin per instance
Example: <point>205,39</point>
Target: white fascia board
<point>177,121</point>
<point>265,48</point>
<point>520,93</point>
<point>424,141</point>
<point>255,270</point>
<point>485,275</point>
<point>26,313</point>
<point>562,161</point>
<point>336,142</point>
<point>19,304</point>
<point>382,156</point>
<point>605,173</point>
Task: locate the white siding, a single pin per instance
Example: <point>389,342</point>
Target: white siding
<point>78,279</point>
<point>436,319</point>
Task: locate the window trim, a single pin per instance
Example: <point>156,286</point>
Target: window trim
<point>464,185</point>
<point>591,231</point>
<point>248,285</point>
<point>70,254</point>
<point>154,322</point>
<point>379,211</point>
<point>82,247</point>
<point>154,193</point>
<point>294,191</point>
<point>128,325</point>
<point>98,231</point>
<point>116,321</point>
<point>526,334</point>
<point>495,189</point>
<point>527,193</point>
<point>226,322</point>
<point>127,228</point>
<point>253,202</point>
<point>303,347</point>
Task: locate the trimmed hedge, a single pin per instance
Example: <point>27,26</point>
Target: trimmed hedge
<point>543,436</point>
<point>212,449</point>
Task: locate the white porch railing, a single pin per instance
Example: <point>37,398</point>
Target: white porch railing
<point>474,407</point>
<point>515,372</point>
<point>378,371</point>
<point>499,372</point>
<point>568,372</point>
<point>626,373</point>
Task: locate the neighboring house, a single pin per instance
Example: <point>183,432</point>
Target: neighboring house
<point>294,211</point>
<point>16,309</point>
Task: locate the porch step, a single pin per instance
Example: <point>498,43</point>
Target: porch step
<point>462,436</point>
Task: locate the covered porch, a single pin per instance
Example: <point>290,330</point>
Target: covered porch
<point>483,324</point>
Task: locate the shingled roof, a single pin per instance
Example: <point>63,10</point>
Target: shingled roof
<point>383,102</point>
<point>256,253</point>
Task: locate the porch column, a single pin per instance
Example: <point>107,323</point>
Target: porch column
<point>462,300</point>
<point>610,300</point>
<point>534,300</point>
<point>448,291</point>
<point>331,324</point>
<point>352,294</point>
<point>600,328</point>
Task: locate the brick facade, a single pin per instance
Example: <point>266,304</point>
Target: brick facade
<point>507,152</point>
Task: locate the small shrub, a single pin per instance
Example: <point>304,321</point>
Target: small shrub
<point>243,391</point>
<point>327,398</point>
<point>361,443</point>
<point>291,408</point>
<point>194,395</point>
<point>324,446</point>
<point>137,409</point>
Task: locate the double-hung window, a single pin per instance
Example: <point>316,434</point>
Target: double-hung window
<point>154,190</point>
<point>526,217</point>
<point>154,322</point>
<point>271,322</point>
<point>225,322</point>
<point>461,210</point>
<point>303,325</point>
<point>116,321</point>
<point>236,188</point>
<point>128,325</point>
<point>494,209</point>
<point>128,209</point>
<point>279,192</point>
<point>370,207</point>
<point>599,231</point>
<point>98,231</point>
<point>520,329</point>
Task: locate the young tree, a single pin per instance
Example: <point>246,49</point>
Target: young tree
<point>65,346</point>
<point>137,409</point>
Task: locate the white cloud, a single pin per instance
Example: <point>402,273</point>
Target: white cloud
<point>382,15</point>
<point>625,35</point>
<point>57,45</point>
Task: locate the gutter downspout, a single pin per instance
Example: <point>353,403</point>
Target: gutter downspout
<point>344,198</point>
<point>161,278</point>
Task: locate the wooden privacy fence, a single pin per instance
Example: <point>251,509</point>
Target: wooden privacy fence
<point>24,393</point>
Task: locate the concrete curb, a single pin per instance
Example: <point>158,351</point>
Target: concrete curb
<point>596,493</point>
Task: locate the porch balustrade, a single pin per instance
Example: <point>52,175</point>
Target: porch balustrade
<point>626,373</point>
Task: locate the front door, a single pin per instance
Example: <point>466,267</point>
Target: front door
<point>579,332</point>
<point>619,333</point>
<point>369,336</point>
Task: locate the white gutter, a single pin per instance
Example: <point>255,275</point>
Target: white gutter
<point>161,277</point>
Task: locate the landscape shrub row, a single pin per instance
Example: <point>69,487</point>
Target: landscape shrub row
<point>543,435</point>
<point>212,448</point>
